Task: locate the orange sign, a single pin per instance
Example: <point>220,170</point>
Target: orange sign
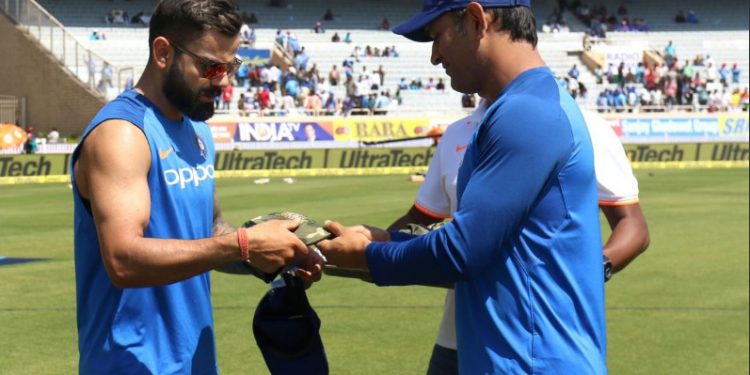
<point>223,132</point>
<point>11,136</point>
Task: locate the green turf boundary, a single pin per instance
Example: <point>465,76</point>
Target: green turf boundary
<point>54,168</point>
<point>679,308</point>
<point>56,179</point>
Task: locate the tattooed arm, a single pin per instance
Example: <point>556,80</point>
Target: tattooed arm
<point>221,227</point>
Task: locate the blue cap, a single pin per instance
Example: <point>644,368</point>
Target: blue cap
<point>287,331</point>
<point>432,9</point>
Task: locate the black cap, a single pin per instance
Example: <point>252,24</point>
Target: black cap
<point>287,330</point>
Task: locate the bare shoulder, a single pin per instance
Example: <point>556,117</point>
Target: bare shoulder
<point>114,149</point>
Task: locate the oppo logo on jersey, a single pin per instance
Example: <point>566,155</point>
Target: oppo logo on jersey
<point>189,176</point>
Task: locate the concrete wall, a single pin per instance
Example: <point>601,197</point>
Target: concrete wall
<point>54,97</point>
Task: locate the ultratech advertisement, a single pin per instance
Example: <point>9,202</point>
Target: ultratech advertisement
<point>688,152</point>
<point>350,161</point>
<point>323,159</point>
<point>34,165</point>
<point>353,161</point>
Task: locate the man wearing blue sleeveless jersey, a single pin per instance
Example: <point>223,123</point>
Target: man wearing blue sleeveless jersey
<point>524,247</point>
<point>147,224</point>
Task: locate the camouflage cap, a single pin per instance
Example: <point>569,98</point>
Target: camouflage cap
<point>308,231</point>
<point>364,274</point>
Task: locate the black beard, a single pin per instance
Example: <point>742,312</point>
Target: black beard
<point>184,98</point>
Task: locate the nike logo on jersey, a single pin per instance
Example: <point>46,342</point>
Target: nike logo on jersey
<point>461,148</point>
<point>163,154</point>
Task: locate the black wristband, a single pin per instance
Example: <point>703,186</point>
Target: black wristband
<point>266,277</point>
<point>607,268</point>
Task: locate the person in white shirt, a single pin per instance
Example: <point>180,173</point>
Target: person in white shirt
<point>264,75</point>
<point>646,97</point>
<point>362,87</point>
<point>274,76</point>
<point>657,97</point>
<point>617,190</point>
<point>712,75</point>
<point>245,33</point>
<point>53,136</point>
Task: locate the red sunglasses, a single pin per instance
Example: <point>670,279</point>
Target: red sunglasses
<point>211,69</point>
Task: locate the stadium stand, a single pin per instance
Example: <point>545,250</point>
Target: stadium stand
<point>721,33</point>
<point>365,15</point>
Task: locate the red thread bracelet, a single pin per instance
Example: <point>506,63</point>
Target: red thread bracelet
<point>242,241</point>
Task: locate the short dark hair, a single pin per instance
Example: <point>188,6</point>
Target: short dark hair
<point>519,21</point>
<point>183,21</point>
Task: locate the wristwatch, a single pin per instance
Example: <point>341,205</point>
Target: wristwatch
<point>607,268</point>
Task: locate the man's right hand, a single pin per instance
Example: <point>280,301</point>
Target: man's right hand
<point>272,245</point>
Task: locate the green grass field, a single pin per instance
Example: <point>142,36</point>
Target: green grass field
<point>681,308</point>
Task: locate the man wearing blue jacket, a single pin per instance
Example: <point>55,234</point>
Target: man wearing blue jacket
<point>524,246</point>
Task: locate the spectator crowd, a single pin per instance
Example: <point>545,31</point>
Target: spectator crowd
<point>698,83</point>
<point>303,88</point>
<point>353,87</point>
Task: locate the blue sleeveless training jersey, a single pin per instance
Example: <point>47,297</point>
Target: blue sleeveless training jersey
<point>157,330</point>
<point>524,247</point>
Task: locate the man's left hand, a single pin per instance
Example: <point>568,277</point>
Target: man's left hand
<point>348,247</point>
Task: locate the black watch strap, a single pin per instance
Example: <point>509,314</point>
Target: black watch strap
<point>607,268</point>
<point>266,277</point>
